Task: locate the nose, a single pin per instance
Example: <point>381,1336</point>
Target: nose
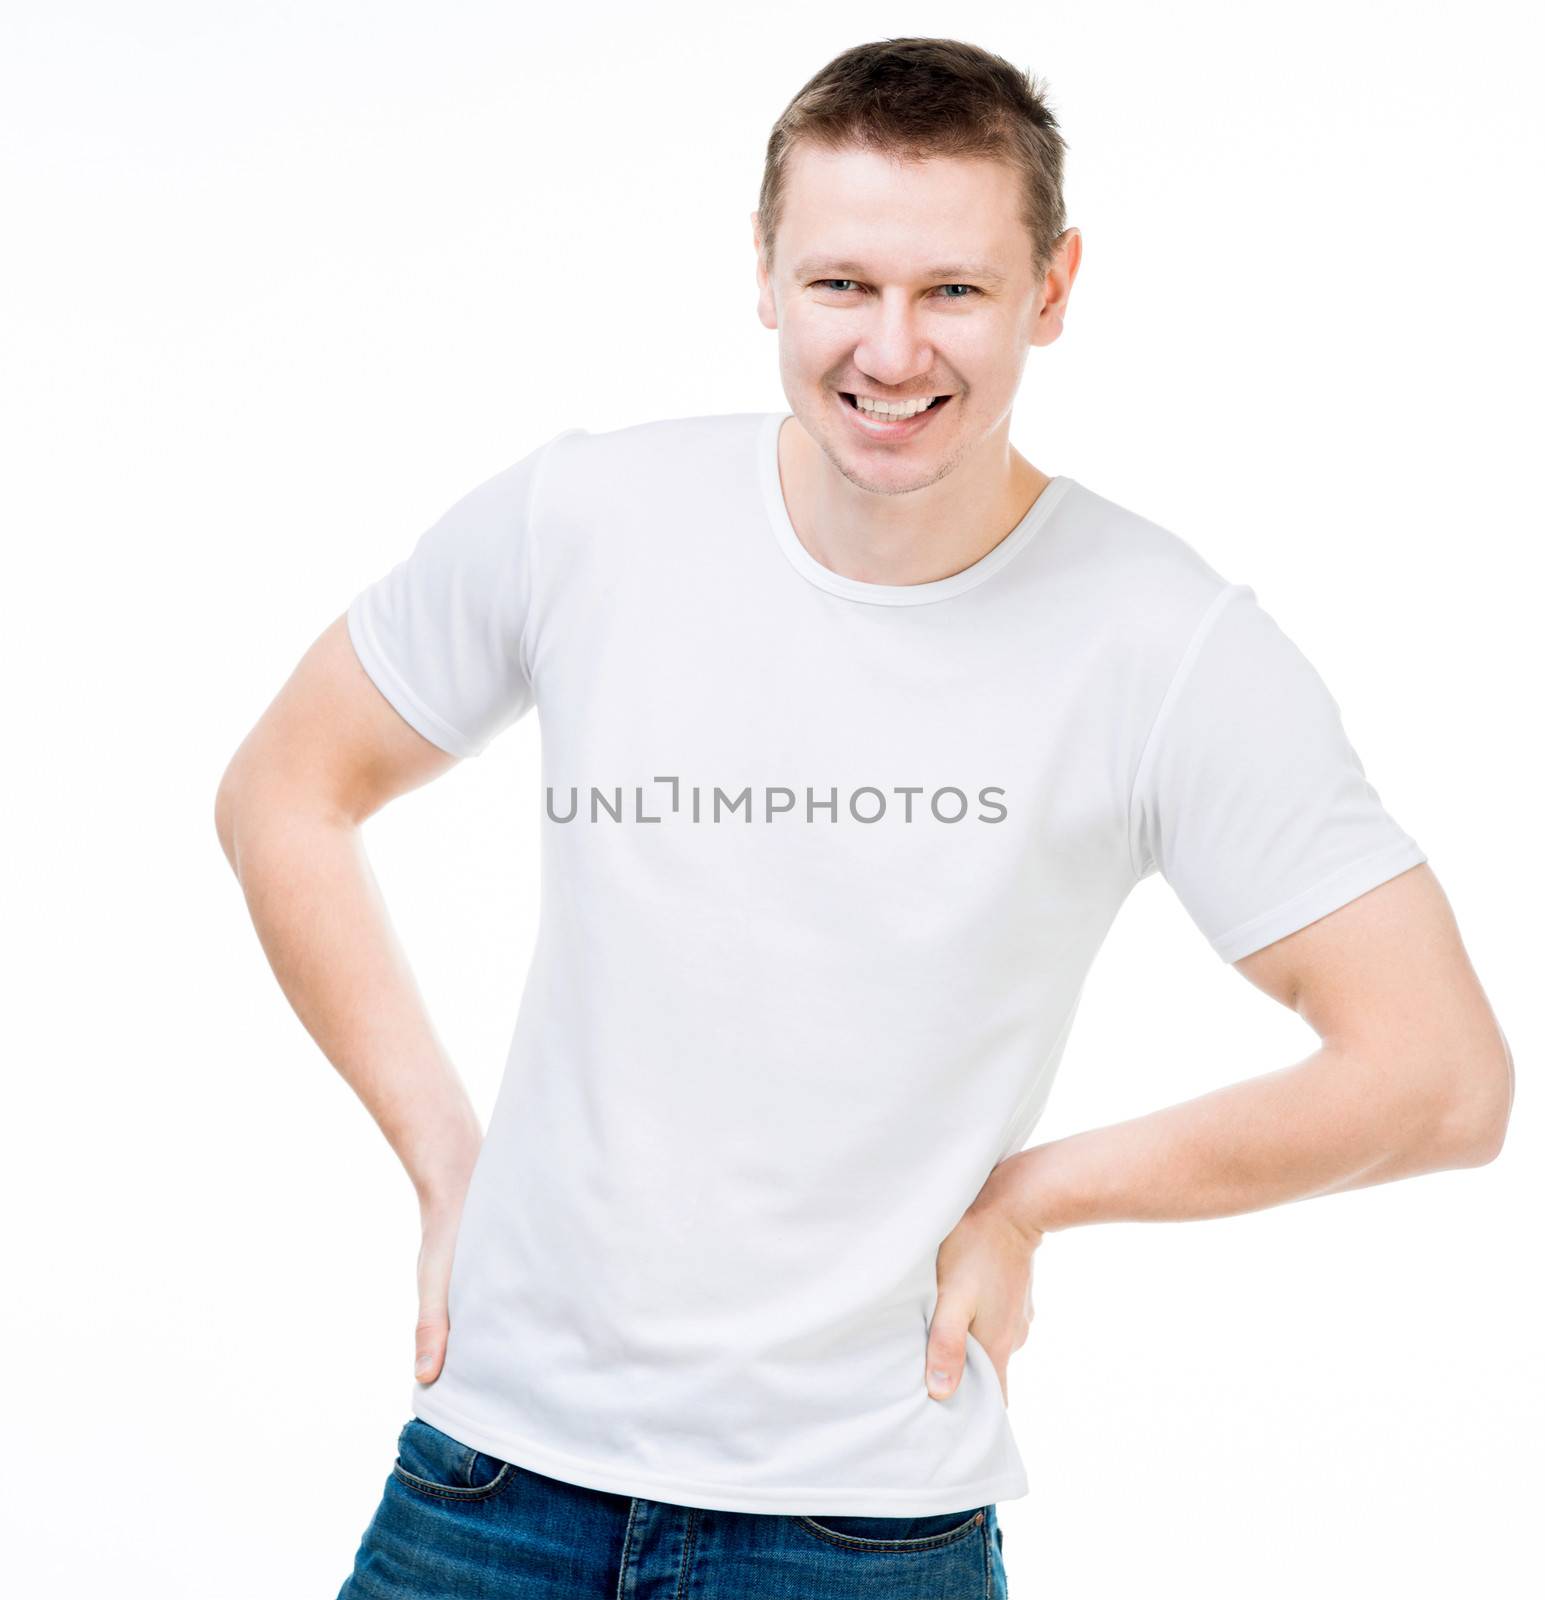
<point>892,351</point>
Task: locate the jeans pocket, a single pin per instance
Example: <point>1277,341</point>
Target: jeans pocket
<point>895,1533</point>
<point>433,1463</point>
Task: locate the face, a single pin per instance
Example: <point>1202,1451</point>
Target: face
<point>900,282</point>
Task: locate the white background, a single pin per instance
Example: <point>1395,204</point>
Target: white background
<point>283,281</point>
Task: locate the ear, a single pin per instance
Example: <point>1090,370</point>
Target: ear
<point>1058,287</point>
<point>766,305</point>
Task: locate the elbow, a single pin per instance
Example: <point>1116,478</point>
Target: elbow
<point>1476,1125</point>
<point>223,821</point>
<point>1478,1142</point>
<point>226,801</point>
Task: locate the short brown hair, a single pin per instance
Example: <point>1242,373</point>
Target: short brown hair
<point>917,98</point>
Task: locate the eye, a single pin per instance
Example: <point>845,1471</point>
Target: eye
<point>840,286</point>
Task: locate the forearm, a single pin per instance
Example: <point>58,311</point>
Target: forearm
<point>324,927</point>
<point>1318,1126</point>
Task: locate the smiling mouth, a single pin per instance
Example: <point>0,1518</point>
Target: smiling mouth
<point>933,405</point>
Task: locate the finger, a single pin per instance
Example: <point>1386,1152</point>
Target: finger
<point>946,1357</point>
<point>429,1347</point>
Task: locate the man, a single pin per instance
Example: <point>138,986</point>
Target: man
<point>857,729</point>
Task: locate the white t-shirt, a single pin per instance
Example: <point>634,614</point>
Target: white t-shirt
<point>824,865</point>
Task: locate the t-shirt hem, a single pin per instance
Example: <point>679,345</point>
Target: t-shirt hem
<point>1328,895</point>
<point>706,1496</point>
<point>407,705</point>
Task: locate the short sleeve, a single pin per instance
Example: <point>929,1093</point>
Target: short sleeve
<point>1248,797</point>
<point>442,634</point>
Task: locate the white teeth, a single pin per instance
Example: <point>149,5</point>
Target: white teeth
<point>887,408</point>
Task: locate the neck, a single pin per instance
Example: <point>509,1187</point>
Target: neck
<point>918,537</point>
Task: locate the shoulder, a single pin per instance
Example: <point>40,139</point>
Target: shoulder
<point>1144,579</point>
<point>621,506</point>
<point>665,446</point>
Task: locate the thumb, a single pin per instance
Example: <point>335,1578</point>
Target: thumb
<point>429,1344</point>
<point>946,1348</point>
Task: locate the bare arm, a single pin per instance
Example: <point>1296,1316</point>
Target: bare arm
<point>1412,1075</point>
<point>326,754</point>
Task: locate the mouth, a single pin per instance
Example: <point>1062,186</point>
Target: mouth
<point>881,427</point>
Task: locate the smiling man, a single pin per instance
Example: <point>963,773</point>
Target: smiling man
<point>907,293</point>
<point>857,731</point>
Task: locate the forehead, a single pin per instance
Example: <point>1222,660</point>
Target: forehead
<point>864,206</point>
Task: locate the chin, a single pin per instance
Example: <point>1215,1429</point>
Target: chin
<point>882,477</point>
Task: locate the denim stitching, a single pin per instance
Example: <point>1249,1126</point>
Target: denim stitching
<point>932,1541</point>
<point>484,1491</point>
<point>689,1545</point>
<point>466,1459</point>
<point>627,1552</point>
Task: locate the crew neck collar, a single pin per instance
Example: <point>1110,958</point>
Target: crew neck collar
<point>888,594</point>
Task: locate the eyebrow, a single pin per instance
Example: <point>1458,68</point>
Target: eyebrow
<point>822,267</point>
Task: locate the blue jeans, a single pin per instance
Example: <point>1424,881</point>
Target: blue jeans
<point>455,1524</point>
